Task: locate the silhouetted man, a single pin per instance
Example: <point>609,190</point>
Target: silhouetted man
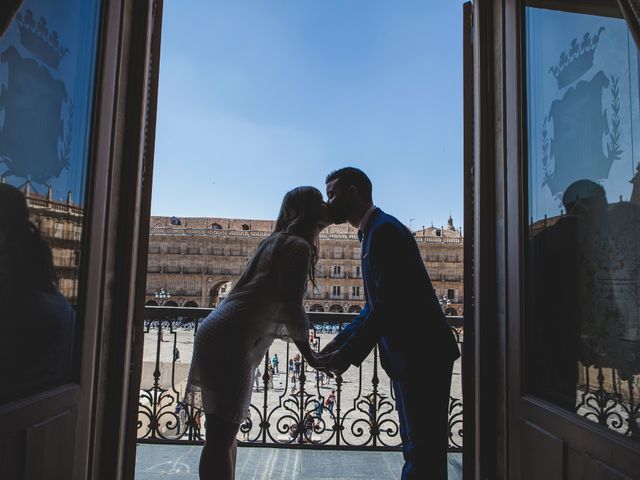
<point>403,316</point>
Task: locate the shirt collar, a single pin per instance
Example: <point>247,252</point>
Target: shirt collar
<point>365,218</point>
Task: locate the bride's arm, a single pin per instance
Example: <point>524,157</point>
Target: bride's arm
<point>293,267</point>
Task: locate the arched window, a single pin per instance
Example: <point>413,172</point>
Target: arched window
<point>216,226</point>
<point>170,303</point>
<point>151,303</point>
<point>316,308</point>
<point>355,309</point>
<point>336,309</point>
<point>245,226</point>
<point>191,303</point>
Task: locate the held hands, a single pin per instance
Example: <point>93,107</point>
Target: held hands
<point>330,360</point>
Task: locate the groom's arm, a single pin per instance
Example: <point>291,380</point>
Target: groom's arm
<point>388,256</point>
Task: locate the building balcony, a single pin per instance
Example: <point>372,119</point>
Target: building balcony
<point>361,419</point>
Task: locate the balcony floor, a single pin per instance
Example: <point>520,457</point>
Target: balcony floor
<point>178,462</point>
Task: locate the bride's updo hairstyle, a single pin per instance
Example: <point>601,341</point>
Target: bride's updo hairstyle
<point>300,215</point>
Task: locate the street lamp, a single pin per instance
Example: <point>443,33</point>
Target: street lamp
<point>162,294</point>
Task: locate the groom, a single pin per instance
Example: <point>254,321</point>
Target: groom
<point>403,316</point>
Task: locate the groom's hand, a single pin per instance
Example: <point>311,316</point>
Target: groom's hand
<point>332,361</point>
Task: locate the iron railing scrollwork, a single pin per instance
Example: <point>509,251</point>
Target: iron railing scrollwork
<point>305,409</point>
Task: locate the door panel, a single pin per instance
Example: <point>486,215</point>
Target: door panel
<point>63,128</point>
<point>48,57</point>
<point>578,323</point>
<point>542,453</point>
<point>47,456</point>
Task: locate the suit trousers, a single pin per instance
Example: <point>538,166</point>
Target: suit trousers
<point>424,422</point>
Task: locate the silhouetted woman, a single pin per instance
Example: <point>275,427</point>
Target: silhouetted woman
<point>265,303</point>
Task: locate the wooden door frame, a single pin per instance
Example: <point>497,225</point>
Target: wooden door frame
<point>468,357</point>
<point>491,433</point>
<point>123,148</point>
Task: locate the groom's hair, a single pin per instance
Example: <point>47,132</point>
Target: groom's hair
<point>348,176</point>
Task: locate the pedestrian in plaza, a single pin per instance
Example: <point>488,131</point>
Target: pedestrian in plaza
<point>330,401</point>
<point>293,430</point>
<point>265,303</point>
<point>258,379</point>
<point>403,316</point>
<point>245,428</point>
<point>275,361</point>
<point>291,366</point>
<point>309,423</point>
<point>296,363</point>
<point>271,374</point>
<point>197,423</point>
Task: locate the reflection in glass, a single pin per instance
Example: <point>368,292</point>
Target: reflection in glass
<point>38,322</point>
<point>47,56</point>
<point>583,254</point>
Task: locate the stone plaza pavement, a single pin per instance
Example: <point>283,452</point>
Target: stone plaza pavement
<point>171,462</point>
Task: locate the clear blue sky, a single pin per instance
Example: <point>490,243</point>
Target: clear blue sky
<point>257,97</point>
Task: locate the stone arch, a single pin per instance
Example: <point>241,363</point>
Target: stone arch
<point>216,226</point>
<point>451,312</point>
<point>245,227</point>
<point>151,303</point>
<point>355,309</point>
<point>191,303</point>
<point>316,307</point>
<point>170,303</point>
<point>336,309</point>
<point>217,293</point>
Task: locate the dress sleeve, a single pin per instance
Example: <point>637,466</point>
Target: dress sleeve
<point>292,266</point>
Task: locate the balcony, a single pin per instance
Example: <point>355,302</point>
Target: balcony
<point>362,419</point>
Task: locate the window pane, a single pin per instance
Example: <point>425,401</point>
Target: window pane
<point>47,60</point>
<point>583,261</point>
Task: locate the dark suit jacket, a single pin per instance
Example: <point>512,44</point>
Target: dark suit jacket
<point>402,313</point>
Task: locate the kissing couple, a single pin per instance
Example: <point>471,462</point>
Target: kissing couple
<point>402,315</point>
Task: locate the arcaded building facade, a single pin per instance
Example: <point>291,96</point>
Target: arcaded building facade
<point>60,223</point>
<point>193,262</point>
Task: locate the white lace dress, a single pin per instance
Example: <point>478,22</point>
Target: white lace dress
<point>231,342</point>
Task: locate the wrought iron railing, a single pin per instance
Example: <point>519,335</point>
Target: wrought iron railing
<point>297,407</point>
<point>609,398</point>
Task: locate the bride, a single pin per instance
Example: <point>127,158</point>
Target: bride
<point>265,303</point>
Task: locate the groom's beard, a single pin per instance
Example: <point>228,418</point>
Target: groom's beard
<point>338,215</point>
